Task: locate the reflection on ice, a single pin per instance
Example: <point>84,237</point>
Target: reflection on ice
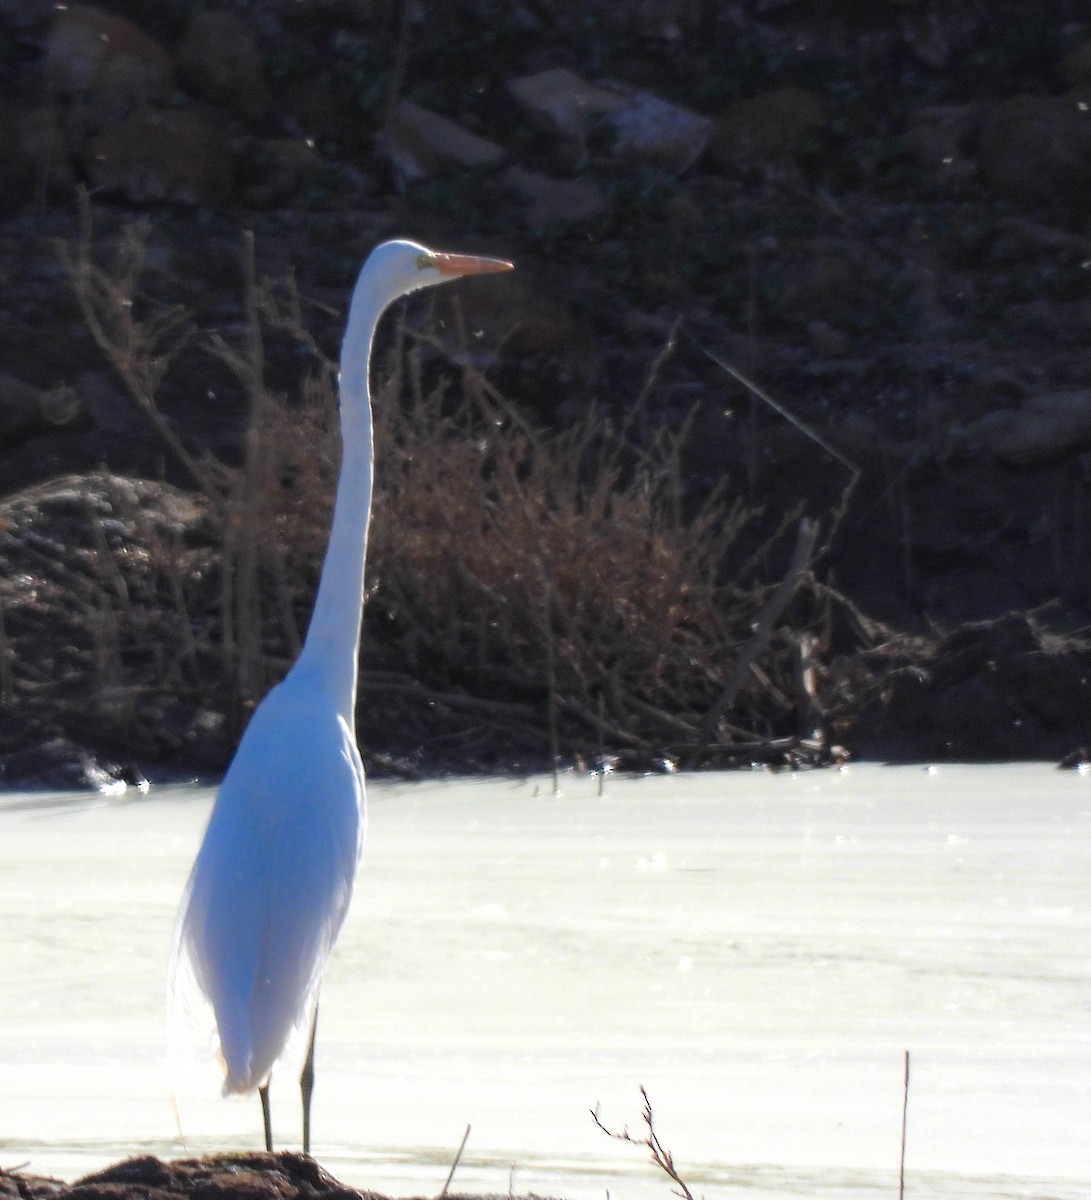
<point>756,951</point>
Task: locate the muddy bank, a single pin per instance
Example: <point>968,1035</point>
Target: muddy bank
<point>283,1176</point>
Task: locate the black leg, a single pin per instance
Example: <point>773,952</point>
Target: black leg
<point>266,1120</point>
<point>306,1084</point>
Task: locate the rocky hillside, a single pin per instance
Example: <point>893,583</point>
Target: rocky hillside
<point>844,248</point>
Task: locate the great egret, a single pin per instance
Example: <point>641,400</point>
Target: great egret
<point>272,880</point>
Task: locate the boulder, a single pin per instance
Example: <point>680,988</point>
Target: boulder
<point>166,155</point>
<point>279,169</point>
<point>220,62</point>
<point>654,131</point>
<point>770,129</point>
<point>107,63</point>
<point>417,140</point>
<point>36,159</point>
<point>999,689</point>
<point>563,103</point>
<point>1042,429</point>
<point>59,764</point>
<point>26,409</point>
<point>551,200</point>
<point>42,140</point>
<point>645,128</point>
<point>669,20</point>
<point>829,281</point>
<point>942,138</point>
<point>927,35</point>
<point>970,592</point>
<point>319,111</point>
<point>1037,148</point>
<point>1075,68</point>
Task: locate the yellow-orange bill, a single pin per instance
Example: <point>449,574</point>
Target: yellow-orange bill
<point>469,264</point>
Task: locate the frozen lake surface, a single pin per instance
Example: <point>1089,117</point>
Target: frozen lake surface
<point>757,951</point>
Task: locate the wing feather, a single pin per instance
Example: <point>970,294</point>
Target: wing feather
<point>272,883</point>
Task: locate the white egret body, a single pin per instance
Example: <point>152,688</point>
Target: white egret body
<point>274,875</point>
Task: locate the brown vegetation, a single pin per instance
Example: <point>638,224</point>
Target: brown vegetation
<point>534,594</point>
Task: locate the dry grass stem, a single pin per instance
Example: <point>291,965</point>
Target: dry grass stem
<point>905,1122</point>
<point>454,1164</point>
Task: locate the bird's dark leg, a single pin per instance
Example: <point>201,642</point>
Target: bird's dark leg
<point>306,1084</point>
<point>266,1119</point>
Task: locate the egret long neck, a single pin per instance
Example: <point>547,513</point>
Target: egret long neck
<point>332,647</point>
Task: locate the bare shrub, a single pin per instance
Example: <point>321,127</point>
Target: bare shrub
<point>138,341</point>
<point>253,563</point>
<point>515,562</point>
<point>263,597</point>
<point>533,593</point>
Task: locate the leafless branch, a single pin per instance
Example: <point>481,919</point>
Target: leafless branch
<point>660,1155</point>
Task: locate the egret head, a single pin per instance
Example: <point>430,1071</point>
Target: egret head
<point>400,266</point>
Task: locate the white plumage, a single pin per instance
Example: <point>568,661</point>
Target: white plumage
<point>273,878</point>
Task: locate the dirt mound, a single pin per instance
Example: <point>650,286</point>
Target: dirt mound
<point>257,1176</point>
<point>998,690</point>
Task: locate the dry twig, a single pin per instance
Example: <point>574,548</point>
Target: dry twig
<point>139,348</point>
<point>763,626</point>
<point>660,1155</point>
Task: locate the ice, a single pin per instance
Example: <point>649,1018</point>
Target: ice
<point>757,951</point>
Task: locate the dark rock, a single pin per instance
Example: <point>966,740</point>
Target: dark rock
<point>563,103</point>
<point>180,156</point>
<point>770,128</point>
<point>279,171</point>
<point>996,690</point>
<point>219,59</point>
<point>1075,67</point>
<point>1076,760</point>
<point>416,141</point>
<point>37,161</point>
<point>1042,429</point>
<point>553,200</point>
<point>1037,148</point>
<point>26,409</point>
<point>943,139</point>
<point>106,63</point>
<point>255,1176</point>
<point>658,133</point>
<point>62,765</point>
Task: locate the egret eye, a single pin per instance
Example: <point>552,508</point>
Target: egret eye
<point>424,261</point>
